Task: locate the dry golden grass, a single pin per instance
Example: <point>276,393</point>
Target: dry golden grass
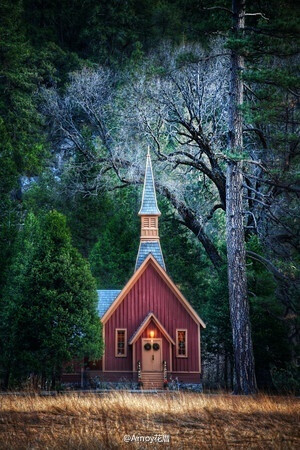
<point>192,421</point>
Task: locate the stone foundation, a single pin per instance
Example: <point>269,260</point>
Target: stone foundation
<point>175,385</point>
<point>123,383</point>
<point>97,383</point>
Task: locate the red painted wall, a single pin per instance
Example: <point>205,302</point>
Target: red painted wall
<point>150,293</point>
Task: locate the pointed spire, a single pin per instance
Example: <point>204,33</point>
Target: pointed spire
<point>149,212</point>
<point>149,202</point>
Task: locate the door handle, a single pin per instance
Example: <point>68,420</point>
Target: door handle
<point>152,357</point>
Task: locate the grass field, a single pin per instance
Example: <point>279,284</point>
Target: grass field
<point>191,420</point>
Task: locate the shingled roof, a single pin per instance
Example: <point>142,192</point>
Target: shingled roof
<point>147,247</point>
<point>105,299</point>
<point>149,203</point>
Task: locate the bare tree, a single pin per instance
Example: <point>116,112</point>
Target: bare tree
<point>108,148</point>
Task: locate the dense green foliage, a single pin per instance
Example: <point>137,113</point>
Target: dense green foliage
<point>41,44</point>
<point>49,305</point>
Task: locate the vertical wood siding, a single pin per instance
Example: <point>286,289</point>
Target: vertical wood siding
<point>150,293</point>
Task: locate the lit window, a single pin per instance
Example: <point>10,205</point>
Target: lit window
<point>121,337</point>
<point>181,343</point>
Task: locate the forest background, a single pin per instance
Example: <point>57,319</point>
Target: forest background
<point>86,87</point>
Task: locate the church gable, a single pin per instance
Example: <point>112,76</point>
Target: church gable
<point>150,292</point>
<point>158,281</point>
<point>150,319</point>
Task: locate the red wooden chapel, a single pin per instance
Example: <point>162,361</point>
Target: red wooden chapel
<point>151,333</point>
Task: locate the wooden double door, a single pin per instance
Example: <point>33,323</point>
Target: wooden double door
<point>152,355</point>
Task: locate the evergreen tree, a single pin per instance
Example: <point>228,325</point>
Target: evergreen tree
<point>22,147</point>
<point>50,304</point>
<point>11,303</point>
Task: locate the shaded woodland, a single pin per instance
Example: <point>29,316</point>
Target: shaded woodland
<point>212,88</point>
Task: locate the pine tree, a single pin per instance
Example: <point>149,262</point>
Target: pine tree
<point>50,303</point>
<point>21,137</point>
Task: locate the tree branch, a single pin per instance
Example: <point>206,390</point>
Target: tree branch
<point>277,274</point>
<point>257,14</point>
<point>288,188</point>
<point>214,209</point>
<point>222,8</point>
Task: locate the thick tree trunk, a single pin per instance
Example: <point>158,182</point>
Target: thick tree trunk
<point>245,382</point>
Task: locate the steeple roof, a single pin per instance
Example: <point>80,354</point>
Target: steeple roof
<point>149,243</point>
<point>149,203</point>
<point>145,249</point>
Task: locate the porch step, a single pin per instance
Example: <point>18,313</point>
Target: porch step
<point>153,380</point>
